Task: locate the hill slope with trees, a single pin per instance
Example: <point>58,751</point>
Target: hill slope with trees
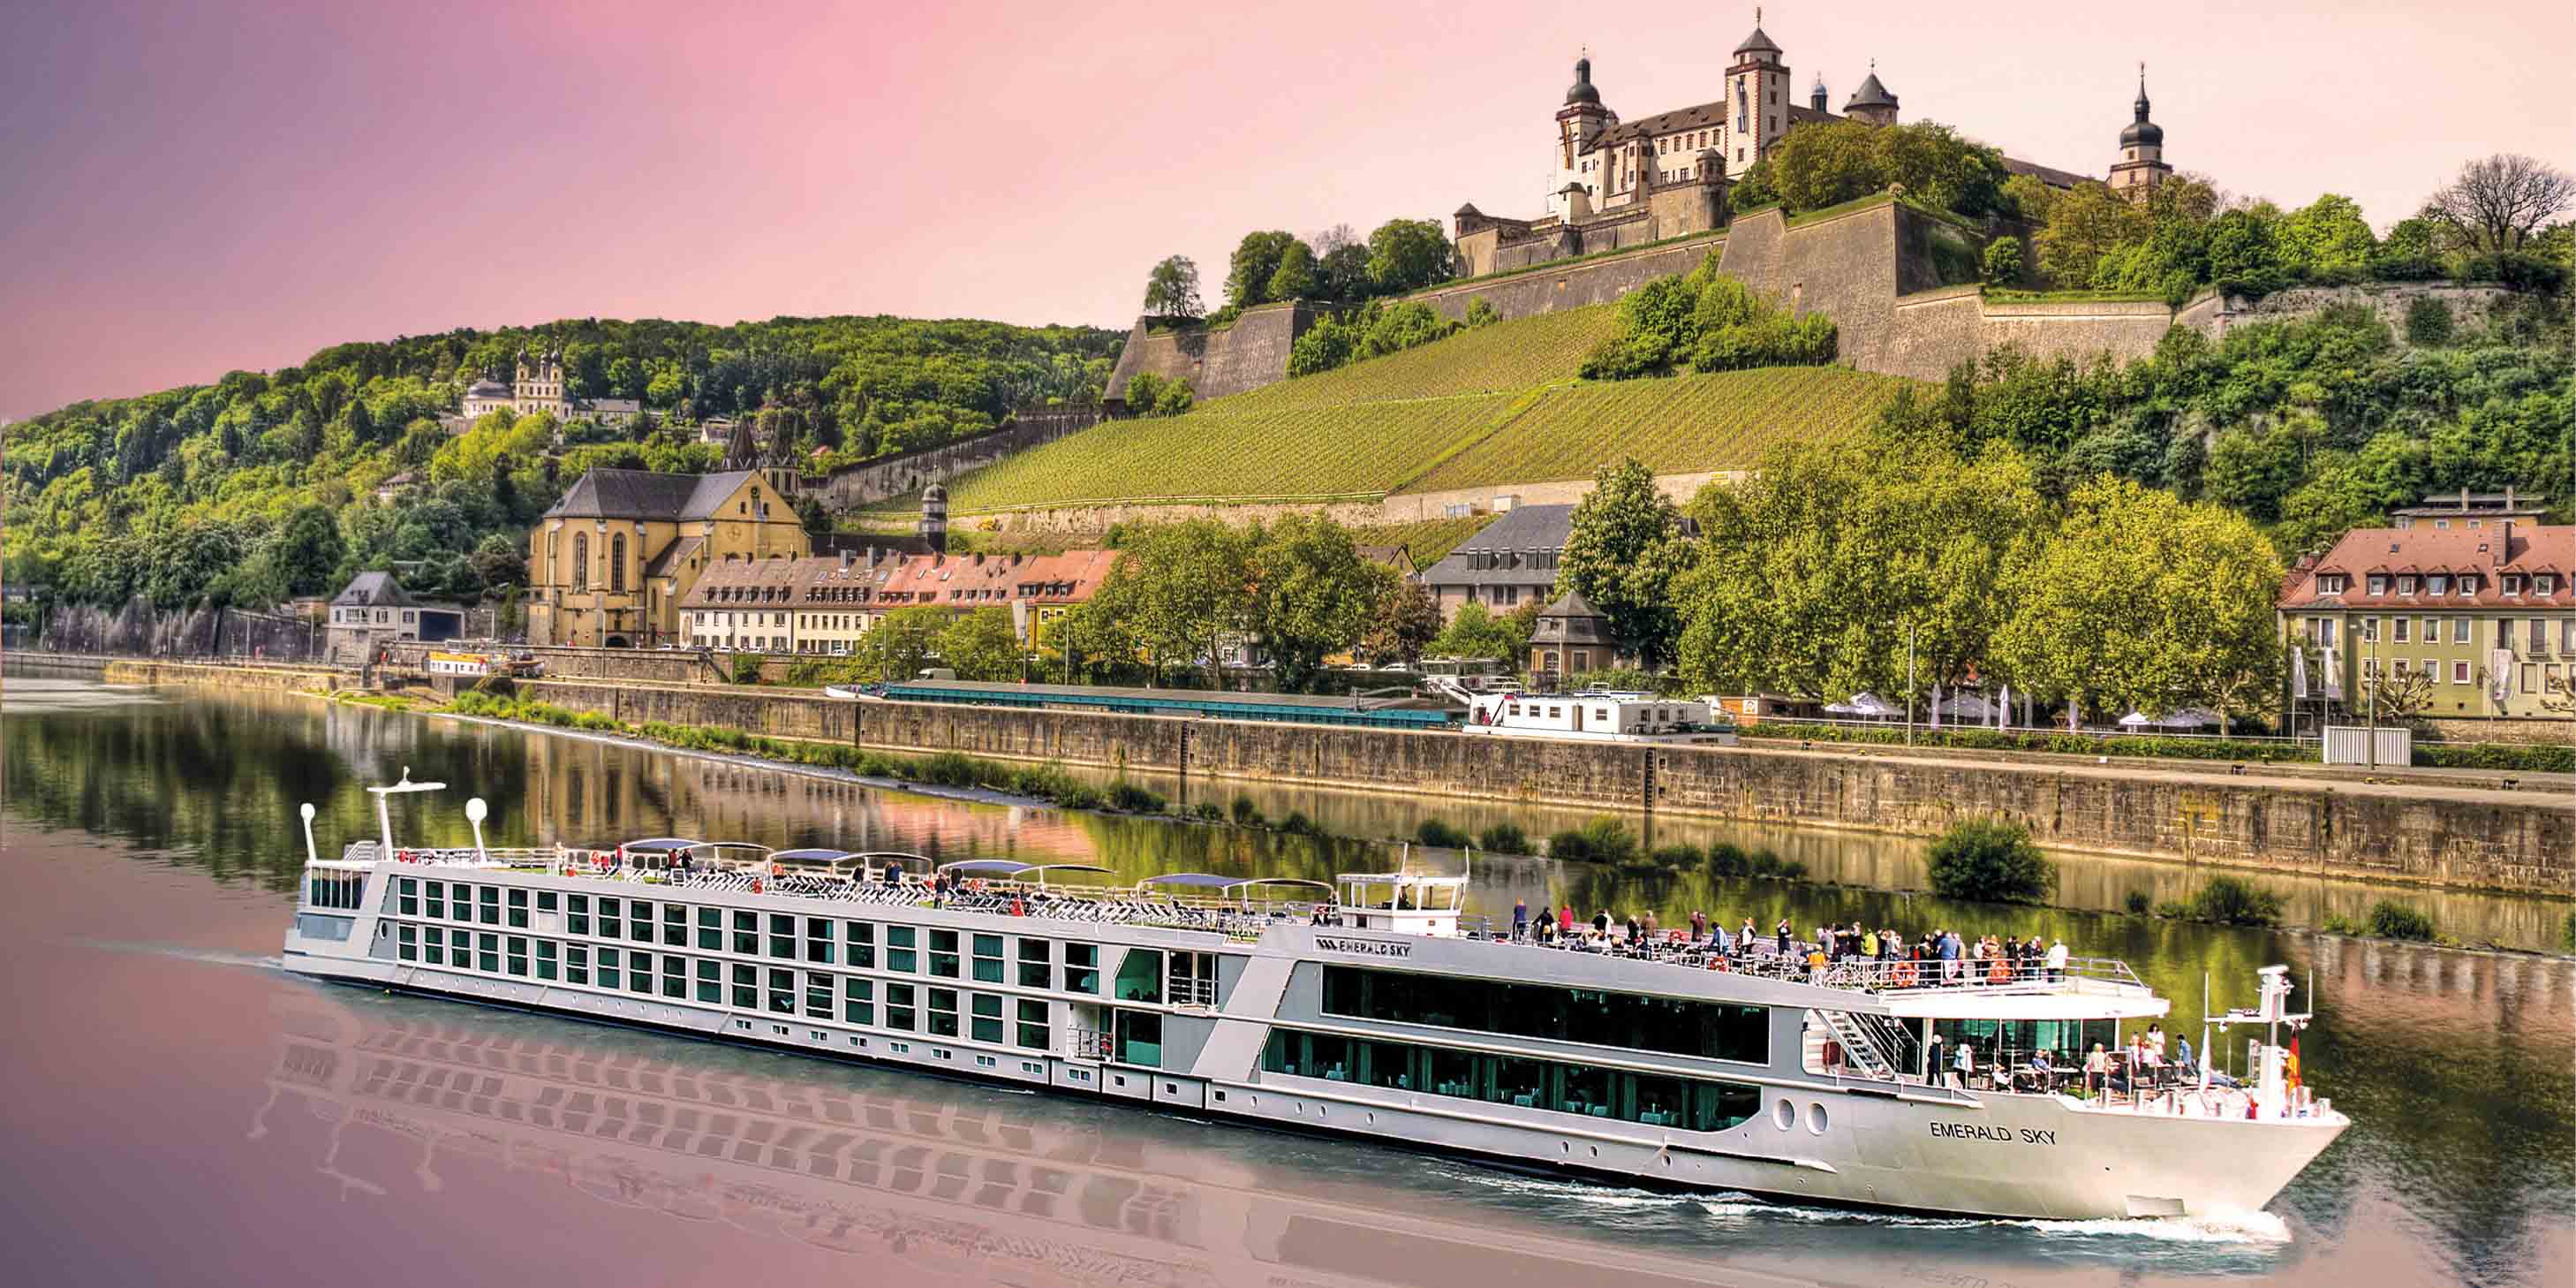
<point>262,486</point>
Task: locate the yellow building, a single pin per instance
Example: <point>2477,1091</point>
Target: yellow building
<point>608,565</point>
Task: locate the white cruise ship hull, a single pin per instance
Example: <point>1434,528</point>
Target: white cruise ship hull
<point>1811,1137</point>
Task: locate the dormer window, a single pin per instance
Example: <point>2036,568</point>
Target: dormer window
<point>2331,583</point>
<point>2405,585</point>
<point>2378,583</point>
<point>2437,584</point>
<point>2468,585</point>
<point>2513,584</point>
<point>2544,584</point>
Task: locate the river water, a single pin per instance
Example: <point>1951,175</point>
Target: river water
<point>179,1109</point>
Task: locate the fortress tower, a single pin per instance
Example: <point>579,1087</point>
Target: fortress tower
<point>1579,127</point>
<point>1757,100</point>
<point>2142,151</point>
<point>1872,103</point>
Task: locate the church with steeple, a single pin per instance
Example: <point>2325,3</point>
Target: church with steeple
<point>2142,151</point>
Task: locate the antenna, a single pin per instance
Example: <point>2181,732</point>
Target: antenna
<point>307,812</point>
<point>475,810</point>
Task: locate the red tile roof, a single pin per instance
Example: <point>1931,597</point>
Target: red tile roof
<point>2486,552</point>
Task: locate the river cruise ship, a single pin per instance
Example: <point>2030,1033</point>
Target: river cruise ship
<point>1374,1006</point>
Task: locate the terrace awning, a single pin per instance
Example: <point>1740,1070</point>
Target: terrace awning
<point>991,867</point>
<point>659,844</point>
<point>813,855</point>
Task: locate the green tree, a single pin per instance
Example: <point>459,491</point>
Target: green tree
<point>1991,859</point>
<point>1172,289</point>
<point>1341,264</point>
<point>499,561</point>
<point>2003,261</point>
<point>1407,619</point>
<point>811,516</point>
<point>2085,224</point>
<point>1623,552</point>
<point>982,645</point>
<point>1255,261</point>
<point>2500,200</point>
<point>1176,592</point>
<point>1312,594</point>
<point>1475,632</point>
<point>308,551</point>
<point>2328,239</point>
<point>1409,254</point>
<point>1296,276</point>
<point>902,643</point>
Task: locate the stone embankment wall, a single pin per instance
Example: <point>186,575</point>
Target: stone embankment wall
<point>2273,825</point>
<point>283,679</point>
<point>1247,355</point>
<point>852,486</point>
<point>136,627</point>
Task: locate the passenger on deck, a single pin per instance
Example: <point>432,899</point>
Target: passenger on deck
<point>1565,921</point>
<point>1783,934</point>
<point>2043,1071</point>
<point>1964,1066</point>
<point>1932,1056</point>
<point>1520,920</point>
<point>2057,960</point>
<point>2097,1070</point>
<point>1601,924</point>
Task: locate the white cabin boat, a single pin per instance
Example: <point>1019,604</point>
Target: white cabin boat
<point>1599,715</point>
<point>1377,1008</point>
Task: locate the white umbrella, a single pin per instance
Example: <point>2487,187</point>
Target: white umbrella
<point>1967,706</point>
<point>1866,705</point>
<point>2185,719</point>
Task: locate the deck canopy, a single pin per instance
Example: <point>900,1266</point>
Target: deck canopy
<point>661,845</point>
<point>987,867</point>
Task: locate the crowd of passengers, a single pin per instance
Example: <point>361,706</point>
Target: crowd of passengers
<point>1887,958</point>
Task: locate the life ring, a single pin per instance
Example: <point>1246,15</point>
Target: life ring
<point>1717,962</point>
<point>1999,973</point>
<point>755,885</point>
<point>1905,975</point>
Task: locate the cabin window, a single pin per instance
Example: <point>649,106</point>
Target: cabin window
<point>407,943</point>
<point>546,952</point>
<point>577,964</point>
<point>943,1013</point>
<point>746,933</point>
<point>1035,967</point>
<point>818,995</point>
<point>858,1001</point>
<point>407,901</point>
<point>576,914</point>
<point>1634,1021</point>
<point>818,940</point>
<point>862,937</point>
<point>487,953</point>
<point>1140,1038</point>
<point>988,960</point>
<point>1082,968</point>
<point>608,973</point>
<point>782,991</point>
<point>710,981</point>
<point>675,925</point>
<point>782,936</point>
<point>899,954</point>
<point>711,929</point>
<point>987,1018</point>
<point>437,893</point>
<point>943,956</point>
<point>639,921</point>
<point>746,987</point>
<point>433,945</point>
<point>899,1012</point>
<point>1140,976</point>
<point>1694,1104</point>
<point>518,955</point>
<point>639,972</point>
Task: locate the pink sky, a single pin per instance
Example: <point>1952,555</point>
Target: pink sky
<point>201,186</point>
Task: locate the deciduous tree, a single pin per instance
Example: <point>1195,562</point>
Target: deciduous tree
<point>981,645</point>
<point>1172,289</point>
<point>1254,263</point>
<point>1312,594</point>
<point>2501,199</point>
<point>1409,254</point>
<point>1622,554</point>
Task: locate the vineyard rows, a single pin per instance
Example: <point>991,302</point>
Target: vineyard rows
<point>1223,452</point>
<point>1521,354</point>
<point>1678,425</point>
<point>1427,541</point>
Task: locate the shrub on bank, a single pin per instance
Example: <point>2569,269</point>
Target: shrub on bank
<point>1441,836</point>
<point>2501,756</point>
<point>1603,840</point>
<point>1128,796</point>
<point>2392,920</point>
<point>1247,814</point>
<point>1504,838</point>
<point>2228,901</point>
<point>1991,859</point>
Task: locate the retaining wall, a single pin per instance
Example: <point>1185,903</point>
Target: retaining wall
<point>2458,839</point>
<point>1247,355</point>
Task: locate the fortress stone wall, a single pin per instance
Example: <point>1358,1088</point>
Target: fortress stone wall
<point>1247,355</point>
<point>855,485</point>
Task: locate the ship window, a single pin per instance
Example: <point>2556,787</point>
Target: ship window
<point>407,943</point>
<point>433,945</point>
<point>639,972</point>
<point>943,1011</point>
<point>437,893</point>
<point>518,955</point>
<point>1034,966</point>
<point>746,933</point>
<point>1033,1025</point>
<point>487,953</point>
<point>943,953</point>
<point>746,987</point>
<point>862,937</point>
<point>711,929</point>
<point>608,974</point>
<point>988,1017</point>
<point>818,995</point>
<point>818,940</point>
<point>782,936</point>
<point>577,964</point>
<point>1140,1038</point>
<point>988,961</point>
<point>899,954</point>
<point>1082,968</point>
<point>639,921</point>
<point>675,975</point>
<point>577,914</point>
<point>519,909</point>
<point>489,900</point>
<point>1691,1103</point>
<point>858,1001</point>
<point>1596,1017</point>
<point>899,1007</point>
<point>1140,976</point>
<point>782,991</point>
<point>711,981</point>
<point>546,954</point>
<point>408,904</point>
<point>675,925</point>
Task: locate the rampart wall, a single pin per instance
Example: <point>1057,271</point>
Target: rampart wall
<point>852,486</point>
<point>1247,355</point>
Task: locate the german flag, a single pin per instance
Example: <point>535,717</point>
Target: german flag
<point>2290,1064</point>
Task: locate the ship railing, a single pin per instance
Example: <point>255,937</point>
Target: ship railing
<point>526,857</point>
<point>2101,976</point>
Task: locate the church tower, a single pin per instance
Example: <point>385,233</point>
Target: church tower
<point>2142,151</point>
<point>1579,127</point>
<point>1757,100</point>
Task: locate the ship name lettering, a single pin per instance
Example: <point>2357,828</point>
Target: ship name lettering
<point>1366,947</point>
<point>1999,1135</point>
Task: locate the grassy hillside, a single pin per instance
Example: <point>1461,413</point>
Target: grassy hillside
<point>1498,404</point>
<point>1680,425</point>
